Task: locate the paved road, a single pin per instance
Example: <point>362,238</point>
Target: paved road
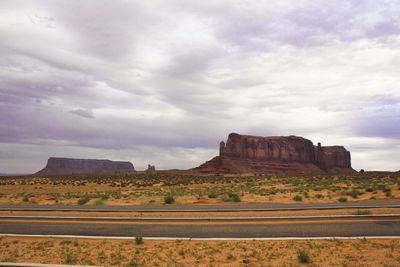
<point>379,227</point>
<point>209,207</point>
<point>230,219</point>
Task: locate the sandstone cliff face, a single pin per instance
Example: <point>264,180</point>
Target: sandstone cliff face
<point>277,154</point>
<point>80,166</point>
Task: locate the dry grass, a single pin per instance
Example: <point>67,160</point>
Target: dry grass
<point>360,252</point>
<point>128,189</point>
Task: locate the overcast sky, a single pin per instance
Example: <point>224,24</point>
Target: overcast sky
<point>162,82</point>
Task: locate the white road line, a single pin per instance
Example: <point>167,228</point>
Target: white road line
<point>202,239</point>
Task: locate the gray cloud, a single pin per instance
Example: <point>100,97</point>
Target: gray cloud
<point>163,83</point>
<point>86,113</point>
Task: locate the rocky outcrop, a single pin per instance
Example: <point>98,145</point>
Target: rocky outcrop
<point>277,154</point>
<point>79,166</point>
<point>150,168</point>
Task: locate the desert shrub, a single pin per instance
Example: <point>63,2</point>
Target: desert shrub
<point>70,258</point>
<point>297,198</point>
<point>354,193</point>
<point>342,199</point>
<point>25,199</point>
<point>381,187</point>
<point>231,197</point>
<point>83,200</point>
<point>319,196</point>
<point>387,190</point>
<point>99,201</point>
<point>362,212</point>
<point>139,240</point>
<point>234,197</point>
<point>303,256</point>
<point>369,189</point>
<point>133,263</point>
<point>212,195</point>
<point>231,257</point>
<point>169,199</point>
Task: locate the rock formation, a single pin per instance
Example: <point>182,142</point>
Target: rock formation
<point>151,168</point>
<point>78,166</point>
<point>277,154</point>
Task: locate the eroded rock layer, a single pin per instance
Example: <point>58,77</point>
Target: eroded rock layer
<point>80,166</point>
<point>277,154</point>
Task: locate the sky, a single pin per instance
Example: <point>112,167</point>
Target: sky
<point>164,81</point>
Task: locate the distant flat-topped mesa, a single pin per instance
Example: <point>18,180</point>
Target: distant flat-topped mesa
<point>78,166</point>
<point>277,154</point>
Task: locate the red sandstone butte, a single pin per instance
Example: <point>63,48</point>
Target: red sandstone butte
<point>277,154</point>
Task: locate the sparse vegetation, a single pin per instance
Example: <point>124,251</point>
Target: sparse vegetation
<point>297,198</point>
<point>99,201</point>
<point>362,212</point>
<point>354,193</point>
<point>303,256</point>
<point>188,187</point>
<point>83,200</point>
<point>231,197</point>
<point>70,258</point>
<point>212,195</point>
<point>360,252</point>
<point>169,199</point>
<point>342,199</point>
<point>139,240</point>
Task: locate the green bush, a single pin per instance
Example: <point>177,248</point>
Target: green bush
<point>386,190</point>
<point>99,201</point>
<point>231,197</point>
<point>169,199</point>
<point>83,200</point>
<point>139,240</point>
<point>133,263</point>
<point>231,257</point>
<point>362,212</point>
<point>381,187</point>
<point>212,195</point>
<point>297,198</point>
<point>234,197</point>
<point>342,199</point>
<point>303,256</point>
<point>70,258</point>
<point>319,196</point>
<point>354,193</point>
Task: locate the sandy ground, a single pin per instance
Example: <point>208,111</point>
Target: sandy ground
<point>362,252</point>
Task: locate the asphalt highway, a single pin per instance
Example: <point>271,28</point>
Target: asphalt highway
<point>323,228</point>
<point>391,203</point>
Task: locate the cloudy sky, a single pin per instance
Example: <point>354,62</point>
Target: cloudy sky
<point>162,82</point>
